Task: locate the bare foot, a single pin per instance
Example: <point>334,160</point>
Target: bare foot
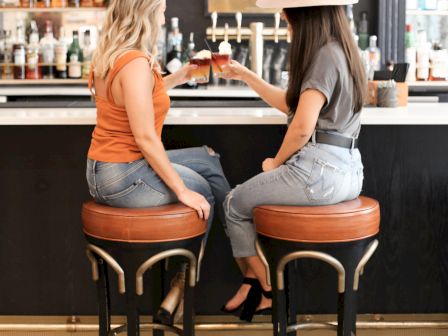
<point>238,298</point>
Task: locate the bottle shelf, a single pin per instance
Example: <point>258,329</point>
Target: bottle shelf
<point>427,12</point>
<point>52,10</point>
<point>428,84</point>
<point>58,82</point>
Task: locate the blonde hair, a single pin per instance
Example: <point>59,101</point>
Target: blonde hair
<point>129,25</point>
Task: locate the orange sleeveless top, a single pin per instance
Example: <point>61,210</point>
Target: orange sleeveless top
<point>112,138</point>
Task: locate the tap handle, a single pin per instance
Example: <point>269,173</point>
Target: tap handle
<point>226,32</point>
<point>277,26</point>
<point>239,22</point>
<point>214,23</point>
<point>288,35</point>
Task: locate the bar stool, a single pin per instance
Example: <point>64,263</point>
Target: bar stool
<point>131,241</point>
<point>342,235</point>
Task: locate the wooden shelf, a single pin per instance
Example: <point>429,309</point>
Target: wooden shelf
<point>52,10</point>
<point>36,82</point>
<point>427,12</point>
<point>429,84</point>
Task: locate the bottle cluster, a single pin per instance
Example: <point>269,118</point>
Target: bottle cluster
<point>52,3</point>
<point>44,57</point>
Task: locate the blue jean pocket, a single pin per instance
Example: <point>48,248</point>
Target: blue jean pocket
<point>137,195</point>
<point>324,182</point>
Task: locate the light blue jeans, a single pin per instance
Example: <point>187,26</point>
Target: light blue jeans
<point>136,184</point>
<point>317,175</point>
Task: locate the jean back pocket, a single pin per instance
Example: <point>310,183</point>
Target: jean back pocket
<point>324,182</point>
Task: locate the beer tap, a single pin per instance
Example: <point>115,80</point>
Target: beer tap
<point>256,33</point>
<point>277,26</point>
<point>214,23</point>
<point>239,21</point>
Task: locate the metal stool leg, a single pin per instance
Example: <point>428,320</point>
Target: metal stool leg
<point>292,295</point>
<point>157,293</point>
<point>132,314</point>
<point>188,318</point>
<point>102,286</point>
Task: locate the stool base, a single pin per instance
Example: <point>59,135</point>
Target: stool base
<point>130,261</point>
<point>348,259</point>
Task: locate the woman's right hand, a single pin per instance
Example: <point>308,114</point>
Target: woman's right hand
<point>235,71</point>
<point>196,201</point>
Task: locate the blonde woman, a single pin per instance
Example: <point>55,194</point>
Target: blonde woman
<point>127,164</point>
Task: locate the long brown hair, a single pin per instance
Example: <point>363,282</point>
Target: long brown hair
<point>312,28</point>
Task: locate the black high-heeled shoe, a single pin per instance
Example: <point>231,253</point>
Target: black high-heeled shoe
<point>254,283</point>
<point>268,310</point>
<point>252,302</point>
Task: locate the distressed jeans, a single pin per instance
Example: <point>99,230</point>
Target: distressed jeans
<point>318,174</point>
<point>136,184</point>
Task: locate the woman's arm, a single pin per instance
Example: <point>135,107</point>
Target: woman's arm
<point>137,80</point>
<point>180,77</point>
<point>272,95</point>
<point>301,129</point>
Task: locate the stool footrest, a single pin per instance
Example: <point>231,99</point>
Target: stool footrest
<point>148,326</point>
<point>311,326</point>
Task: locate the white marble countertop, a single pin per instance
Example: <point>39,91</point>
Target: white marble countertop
<point>414,114</point>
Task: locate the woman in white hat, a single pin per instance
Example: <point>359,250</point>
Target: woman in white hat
<point>318,162</point>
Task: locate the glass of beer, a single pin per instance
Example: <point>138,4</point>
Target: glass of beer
<point>202,59</point>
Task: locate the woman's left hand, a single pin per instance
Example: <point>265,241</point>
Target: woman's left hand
<point>269,164</point>
<point>185,73</point>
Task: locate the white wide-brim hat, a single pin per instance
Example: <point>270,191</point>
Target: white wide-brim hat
<point>302,3</point>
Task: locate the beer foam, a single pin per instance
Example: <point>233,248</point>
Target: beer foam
<point>203,54</point>
<point>225,48</point>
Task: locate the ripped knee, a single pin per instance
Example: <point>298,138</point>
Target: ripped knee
<point>210,151</point>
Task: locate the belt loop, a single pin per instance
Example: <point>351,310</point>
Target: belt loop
<point>313,138</point>
<point>94,163</point>
<point>352,147</point>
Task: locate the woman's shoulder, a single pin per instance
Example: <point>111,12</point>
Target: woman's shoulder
<point>331,55</point>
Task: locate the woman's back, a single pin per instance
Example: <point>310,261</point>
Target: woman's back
<point>112,139</point>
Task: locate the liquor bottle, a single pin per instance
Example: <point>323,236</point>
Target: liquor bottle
<point>8,57</point>
<point>186,56</point>
<point>363,32</point>
<point>439,62</point>
<point>87,3</point>
<point>33,57</point>
<point>48,44</point>
<point>351,19</point>
<point>410,54</point>
<point>87,52</point>
<point>58,3</point>
<point>28,3</point>
<point>74,58</point>
<point>11,3</point>
<point>189,52</point>
<point>374,54</point>
<point>19,51</point>
<point>423,50</point>
<point>74,3</point>
<point>61,55</point>
<point>2,51</point>
<point>161,48</point>
<point>174,47</point>
<point>43,4</point>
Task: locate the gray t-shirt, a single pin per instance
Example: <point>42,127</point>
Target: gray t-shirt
<point>330,75</point>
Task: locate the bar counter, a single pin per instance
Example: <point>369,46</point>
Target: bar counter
<point>413,114</point>
<point>42,186</point>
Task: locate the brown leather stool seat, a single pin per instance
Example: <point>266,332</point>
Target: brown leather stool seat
<point>343,222</point>
<point>151,225</point>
